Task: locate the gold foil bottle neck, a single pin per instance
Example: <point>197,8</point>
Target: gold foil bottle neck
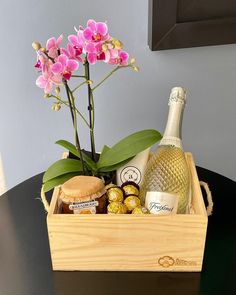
<point>177,95</point>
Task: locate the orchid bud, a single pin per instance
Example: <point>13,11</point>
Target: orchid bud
<point>118,44</point>
<point>89,82</point>
<point>56,107</point>
<point>136,69</point>
<point>47,95</point>
<point>36,46</point>
<point>104,47</point>
<point>132,61</point>
<point>57,90</point>
<point>110,44</point>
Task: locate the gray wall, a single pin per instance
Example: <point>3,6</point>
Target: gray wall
<point>128,102</point>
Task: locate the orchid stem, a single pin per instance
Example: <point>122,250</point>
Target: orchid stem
<point>78,76</point>
<point>109,75</point>
<point>105,78</point>
<point>68,105</point>
<point>45,53</point>
<point>91,110</point>
<point>71,101</point>
<point>81,84</point>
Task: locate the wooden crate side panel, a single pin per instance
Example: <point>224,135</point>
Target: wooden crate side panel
<point>197,198</point>
<point>54,201</point>
<point>170,243</point>
<point>53,209</point>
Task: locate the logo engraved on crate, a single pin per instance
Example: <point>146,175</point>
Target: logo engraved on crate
<point>167,261</point>
<point>182,262</point>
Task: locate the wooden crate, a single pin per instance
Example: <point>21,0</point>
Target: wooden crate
<point>129,242</point>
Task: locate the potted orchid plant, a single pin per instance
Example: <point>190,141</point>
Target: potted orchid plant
<point>57,65</point>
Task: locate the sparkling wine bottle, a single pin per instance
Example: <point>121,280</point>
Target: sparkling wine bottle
<point>165,188</point>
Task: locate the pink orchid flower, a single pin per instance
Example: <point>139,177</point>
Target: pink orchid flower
<point>64,66</point>
<point>53,46</point>
<point>38,64</point>
<point>48,80</point>
<point>59,63</point>
<point>94,52</point>
<point>93,36</point>
<point>120,57</point>
<point>87,47</point>
<point>96,31</point>
<point>41,59</point>
<point>73,52</point>
<point>77,41</point>
<point>94,57</point>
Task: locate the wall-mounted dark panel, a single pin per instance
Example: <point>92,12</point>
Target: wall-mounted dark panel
<point>191,23</point>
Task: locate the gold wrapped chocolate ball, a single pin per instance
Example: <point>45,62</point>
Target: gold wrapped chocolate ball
<point>115,194</point>
<point>132,202</point>
<point>130,188</point>
<point>116,208</point>
<point>140,210</point>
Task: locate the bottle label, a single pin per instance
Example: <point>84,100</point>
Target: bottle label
<point>161,203</point>
<point>130,173</point>
<point>134,169</point>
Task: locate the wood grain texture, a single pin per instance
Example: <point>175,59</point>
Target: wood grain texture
<point>129,242</point>
<point>197,198</point>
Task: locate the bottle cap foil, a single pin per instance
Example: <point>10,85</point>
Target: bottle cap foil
<point>177,95</point>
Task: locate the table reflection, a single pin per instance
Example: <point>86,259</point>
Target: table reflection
<point>112,283</point>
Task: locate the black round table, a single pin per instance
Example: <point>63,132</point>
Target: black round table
<point>25,265</point>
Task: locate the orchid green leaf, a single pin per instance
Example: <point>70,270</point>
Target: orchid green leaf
<point>50,184</point>
<point>72,148</point>
<point>114,167</point>
<point>129,147</point>
<point>61,167</point>
<point>104,150</point>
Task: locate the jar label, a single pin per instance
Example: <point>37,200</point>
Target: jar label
<point>161,203</point>
<point>84,207</point>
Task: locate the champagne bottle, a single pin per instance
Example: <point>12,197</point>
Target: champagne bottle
<point>166,177</point>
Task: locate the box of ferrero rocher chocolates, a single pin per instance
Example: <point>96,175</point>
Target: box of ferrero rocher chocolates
<point>89,195</point>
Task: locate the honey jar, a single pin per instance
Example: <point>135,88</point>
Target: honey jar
<point>83,195</point>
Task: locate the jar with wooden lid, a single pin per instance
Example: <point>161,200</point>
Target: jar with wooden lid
<point>83,195</point>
